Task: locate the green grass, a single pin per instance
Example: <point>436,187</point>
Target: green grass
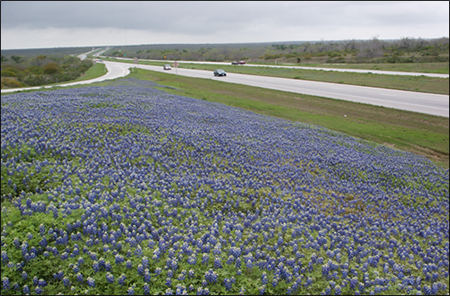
<point>97,70</point>
<point>422,134</point>
<point>408,83</point>
<point>438,68</point>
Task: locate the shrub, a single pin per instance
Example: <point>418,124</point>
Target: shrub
<point>334,54</point>
<point>339,60</point>
<point>35,70</point>
<point>272,56</point>
<point>320,54</point>
<point>11,83</point>
<point>8,73</point>
<point>34,80</point>
<point>51,68</point>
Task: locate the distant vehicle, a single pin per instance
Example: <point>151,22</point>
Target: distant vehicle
<point>241,63</point>
<point>235,63</point>
<point>167,67</point>
<point>220,72</point>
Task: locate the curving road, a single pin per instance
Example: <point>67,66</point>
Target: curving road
<point>432,104</point>
<point>113,72</point>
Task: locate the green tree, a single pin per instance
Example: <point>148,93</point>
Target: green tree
<point>16,58</point>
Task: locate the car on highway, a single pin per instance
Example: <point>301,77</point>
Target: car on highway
<point>219,72</point>
<point>238,63</point>
<point>167,67</point>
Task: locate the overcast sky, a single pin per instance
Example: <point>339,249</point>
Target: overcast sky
<point>44,24</point>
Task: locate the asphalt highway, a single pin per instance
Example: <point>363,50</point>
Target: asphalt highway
<point>405,100</point>
<point>437,75</point>
<point>433,104</point>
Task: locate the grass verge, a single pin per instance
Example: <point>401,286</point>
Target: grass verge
<point>438,68</point>
<point>418,133</point>
<point>95,71</point>
<point>409,83</point>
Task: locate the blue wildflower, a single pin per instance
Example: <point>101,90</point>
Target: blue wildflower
<point>129,264</point>
<point>26,290</point>
<point>121,279</point>
<point>146,289</point>
<point>5,283</point>
<point>109,277</point>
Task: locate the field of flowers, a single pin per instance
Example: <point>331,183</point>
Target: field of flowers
<point>126,189</point>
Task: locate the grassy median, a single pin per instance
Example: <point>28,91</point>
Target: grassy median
<point>409,83</point>
<point>440,68</point>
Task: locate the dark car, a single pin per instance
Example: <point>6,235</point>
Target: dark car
<point>241,63</point>
<point>235,63</point>
<point>220,72</point>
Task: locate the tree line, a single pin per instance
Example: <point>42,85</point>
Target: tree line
<point>405,50</point>
<point>22,71</point>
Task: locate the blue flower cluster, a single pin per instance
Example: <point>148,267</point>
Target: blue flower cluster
<point>129,182</point>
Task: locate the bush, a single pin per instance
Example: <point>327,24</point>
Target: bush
<point>399,60</point>
<point>338,60</point>
<point>34,80</point>
<point>272,56</point>
<point>334,54</point>
<point>69,76</point>
<point>51,68</point>
<point>8,73</point>
<point>11,83</point>
<point>35,70</point>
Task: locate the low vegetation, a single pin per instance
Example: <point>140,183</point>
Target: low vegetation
<point>157,184</point>
<point>123,188</point>
<point>405,50</point>
<point>18,71</point>
<point>438,68</point>
<point>422,134</point>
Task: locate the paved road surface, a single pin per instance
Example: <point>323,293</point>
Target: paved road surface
<point>437,75</point>
<point>412,101</point>
<point>405,100</point>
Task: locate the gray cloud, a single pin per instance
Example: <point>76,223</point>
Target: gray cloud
<point>232,21</point>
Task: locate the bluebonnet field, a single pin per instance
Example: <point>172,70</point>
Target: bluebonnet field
<point>126,189</point>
